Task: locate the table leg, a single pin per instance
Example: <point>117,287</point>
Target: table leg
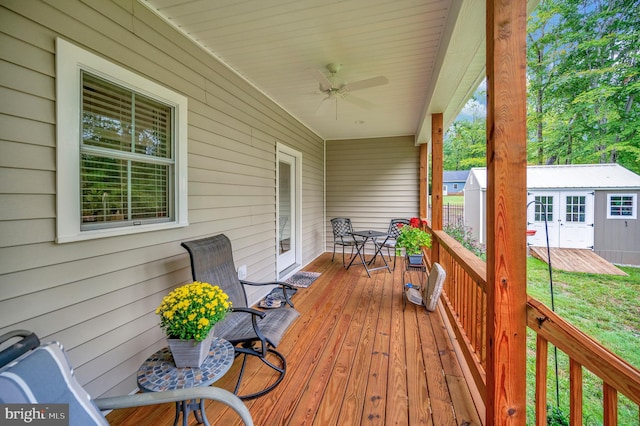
<point>359,253</point>
<point>185,407</point>
<point>182,407</point>
<point>379,252</point>
<point>178,411</point>
<point>203,414</point>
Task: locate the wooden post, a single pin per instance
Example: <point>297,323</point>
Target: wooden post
<point>424,180</point>
<point>437,159</point>
<point>506,212</point>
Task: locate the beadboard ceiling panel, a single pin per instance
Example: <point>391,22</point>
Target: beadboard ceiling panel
<point>278,45</point>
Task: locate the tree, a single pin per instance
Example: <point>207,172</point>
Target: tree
<point>584,82</point>
<point>465,140</point>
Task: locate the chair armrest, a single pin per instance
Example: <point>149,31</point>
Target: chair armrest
<point>27,342</point>
<point>152,398</point>
<point>282,285</point>
<point>254,314</point>
<point>249,311</point>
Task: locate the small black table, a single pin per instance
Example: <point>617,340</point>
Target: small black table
<point>159,373</point>
<point>366,236</point>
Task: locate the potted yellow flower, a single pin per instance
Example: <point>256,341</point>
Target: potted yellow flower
<point>413,238</point>
<point>187,316</point>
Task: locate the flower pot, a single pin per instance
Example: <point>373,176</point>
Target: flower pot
<point>190,353</point>
<point>415,259</point>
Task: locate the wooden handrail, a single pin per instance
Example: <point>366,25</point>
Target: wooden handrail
<point>609,367</point>
<point>464,302</point>
<point>472,264</point>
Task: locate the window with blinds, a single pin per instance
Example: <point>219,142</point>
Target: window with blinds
<point>126,156</point>
<point>122,146</point>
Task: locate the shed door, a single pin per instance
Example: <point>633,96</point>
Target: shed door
<point>569,218</point>
<point>576,226</point>
<point>543,205</point>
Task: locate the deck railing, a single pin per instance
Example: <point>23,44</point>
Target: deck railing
<point>465,303</point>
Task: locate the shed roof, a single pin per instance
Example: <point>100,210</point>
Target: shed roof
<point>455,175</point>
<point>574,176</point>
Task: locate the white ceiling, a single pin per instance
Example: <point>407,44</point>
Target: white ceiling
<point>431,52</point>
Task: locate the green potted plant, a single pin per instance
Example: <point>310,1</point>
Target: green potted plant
<point>187,316</point>
<point>412,237</point>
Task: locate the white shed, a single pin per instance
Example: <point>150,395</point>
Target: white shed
<point>590,206</point>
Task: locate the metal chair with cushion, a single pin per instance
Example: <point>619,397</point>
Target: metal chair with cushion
<point>251,331</point>
<point>342,236</point>
<point>394,231</point>
<point>34,373</point>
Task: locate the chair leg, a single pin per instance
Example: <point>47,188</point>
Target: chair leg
<point>281,370</point>
<point>350,256</point>
<point>394,257</point>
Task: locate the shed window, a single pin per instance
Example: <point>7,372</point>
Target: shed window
<point>544,205</point>
<point>576,207</point>
<point>621,206</point>
<point>121,150</point>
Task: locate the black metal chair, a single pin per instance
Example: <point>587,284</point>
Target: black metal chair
<point>251,331</point>
<point>394,231</point>
<point>342,236</point>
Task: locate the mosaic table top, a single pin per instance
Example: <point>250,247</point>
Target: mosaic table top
<point>159,373</point>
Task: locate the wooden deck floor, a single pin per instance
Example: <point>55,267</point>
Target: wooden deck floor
<point>576,260</point>
<point>354,357</point>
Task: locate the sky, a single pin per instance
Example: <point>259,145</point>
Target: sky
<point>477,105</point>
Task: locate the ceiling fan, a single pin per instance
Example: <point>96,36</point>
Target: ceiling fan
<point>334,89</point>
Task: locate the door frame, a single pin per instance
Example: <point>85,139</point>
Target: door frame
<point>585,228</point>
<point>557,227</point>
<point>553,225</point>
<point>284,270</point>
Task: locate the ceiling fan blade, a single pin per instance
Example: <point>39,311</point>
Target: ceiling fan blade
<point>325,83</point>
<point>364,84</point>
<point>362,103</point>
<point>323,106</point>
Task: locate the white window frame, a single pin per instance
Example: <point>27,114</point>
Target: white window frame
<point>70,61</point>
<point>634,205</point>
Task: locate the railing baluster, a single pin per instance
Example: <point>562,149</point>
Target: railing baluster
<point>575,392</point>
<point>542,356</point>
<point>465,302</point>
<point>610,400</point>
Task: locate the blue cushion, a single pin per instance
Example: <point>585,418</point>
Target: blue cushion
<point>44,376</point>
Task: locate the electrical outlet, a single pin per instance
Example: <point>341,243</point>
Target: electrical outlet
<point>242,272</point>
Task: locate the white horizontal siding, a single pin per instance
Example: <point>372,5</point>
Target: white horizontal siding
<point>98,297</point>
<point>372,181</point>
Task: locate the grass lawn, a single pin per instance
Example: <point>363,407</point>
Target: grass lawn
<point>607,308</point>
<point>455,200</point>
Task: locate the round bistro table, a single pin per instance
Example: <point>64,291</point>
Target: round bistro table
<point>159,373</point>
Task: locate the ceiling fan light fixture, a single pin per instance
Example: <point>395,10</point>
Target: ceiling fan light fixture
<point>334,67</point>
<point>335,90</point>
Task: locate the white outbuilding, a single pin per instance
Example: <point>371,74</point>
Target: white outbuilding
<point>588,206</point>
